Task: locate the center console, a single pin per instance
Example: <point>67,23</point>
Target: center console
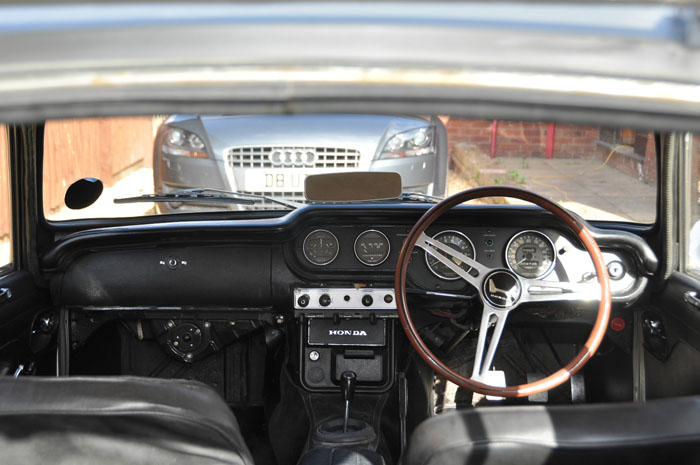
<point>346,329</point>
<point>347,347</point>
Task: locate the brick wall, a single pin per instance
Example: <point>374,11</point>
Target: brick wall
<point>523,139</point>
<point>528,140</point>
<point>575,141</point>
<point>477,132</point>
<point>643,168</point>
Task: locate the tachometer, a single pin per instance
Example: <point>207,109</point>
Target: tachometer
<point>457,241</point>
<point>321,247</point>
<point>530,254</point>
<point>372,247</point>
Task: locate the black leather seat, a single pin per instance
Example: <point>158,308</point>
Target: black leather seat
<point>341,456</point>
<point>657,432</point>
<point>116,420</point>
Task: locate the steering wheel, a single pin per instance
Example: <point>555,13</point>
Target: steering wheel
<point>502,292</point>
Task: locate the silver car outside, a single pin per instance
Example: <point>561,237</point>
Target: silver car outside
<point>272,154</point>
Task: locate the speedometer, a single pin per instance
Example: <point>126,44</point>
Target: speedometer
<point>530,254</point>
<point>321,247</point>
<point>372,247</point>
<point>457,241</point>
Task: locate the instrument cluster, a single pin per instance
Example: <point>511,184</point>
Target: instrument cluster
<point>371,247</point>
<point>528,253</point>
<point>347,251</point>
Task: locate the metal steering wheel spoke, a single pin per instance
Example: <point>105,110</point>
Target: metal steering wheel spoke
<point>551,291</point>
<point>501,291</point>
<point>447,257</point>
<point>483,359</point>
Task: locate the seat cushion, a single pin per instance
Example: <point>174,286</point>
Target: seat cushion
<point>341,456</point>
<point>656,432</point>
<point>116,420</point>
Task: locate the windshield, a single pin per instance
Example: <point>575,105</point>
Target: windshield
<point>601,173</point>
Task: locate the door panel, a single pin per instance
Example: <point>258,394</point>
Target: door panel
<point>20,298</point>
<point>672,356</point>
<point>672,329</point>
<point>25,301</point>
<point>16,315</point>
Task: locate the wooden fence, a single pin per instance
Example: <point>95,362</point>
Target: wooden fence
<point>103,148</point>
<point>5,210</point>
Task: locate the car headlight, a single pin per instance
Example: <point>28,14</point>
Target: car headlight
<point>411,143</point>
<point>183,143</point>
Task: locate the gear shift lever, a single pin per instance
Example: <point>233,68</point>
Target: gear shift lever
<point>348,381</point>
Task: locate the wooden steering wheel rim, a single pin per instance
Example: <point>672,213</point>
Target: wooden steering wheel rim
<point>576,225</point>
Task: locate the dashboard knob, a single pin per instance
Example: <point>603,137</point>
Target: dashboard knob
<point>324,300</point>
<point>367,300</point>
<point>616,270</point>
<point>303,300</point>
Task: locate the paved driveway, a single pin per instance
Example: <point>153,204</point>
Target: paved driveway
<point>589,187</point>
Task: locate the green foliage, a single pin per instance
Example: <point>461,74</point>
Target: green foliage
<point>515,176</point>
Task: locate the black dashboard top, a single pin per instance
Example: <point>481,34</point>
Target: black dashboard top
<point>257,262</point>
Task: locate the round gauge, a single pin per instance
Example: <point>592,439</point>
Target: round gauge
<point>372,247</point>
<point>457,241</point>
<point>530,254</point>
<point>321,247</point>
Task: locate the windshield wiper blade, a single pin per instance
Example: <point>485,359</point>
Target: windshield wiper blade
<point>419,196</point>
<point>171,197</point>
<point>287,203</point>
<point>207,195</point>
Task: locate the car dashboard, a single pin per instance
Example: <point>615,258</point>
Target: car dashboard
<point>323,275</point>
<point>258,262</point>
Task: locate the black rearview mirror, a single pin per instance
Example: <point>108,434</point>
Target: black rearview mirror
<point>356,186</point>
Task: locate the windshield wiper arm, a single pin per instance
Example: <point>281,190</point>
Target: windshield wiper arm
<point>207,195</point>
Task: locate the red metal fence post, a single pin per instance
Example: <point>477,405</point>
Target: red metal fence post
<point>494,131</point>
<point>550,140</point>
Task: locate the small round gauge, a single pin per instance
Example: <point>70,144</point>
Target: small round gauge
<point>372,247</point>
<point>321,247</point>
<point>530,254</point>
<point>457,241</point>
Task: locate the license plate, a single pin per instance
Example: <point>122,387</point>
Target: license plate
<point>277,180</point>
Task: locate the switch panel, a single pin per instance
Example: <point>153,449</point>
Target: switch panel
<point>335,299</point>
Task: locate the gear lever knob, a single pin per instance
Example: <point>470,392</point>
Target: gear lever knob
<point>348,381</point>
